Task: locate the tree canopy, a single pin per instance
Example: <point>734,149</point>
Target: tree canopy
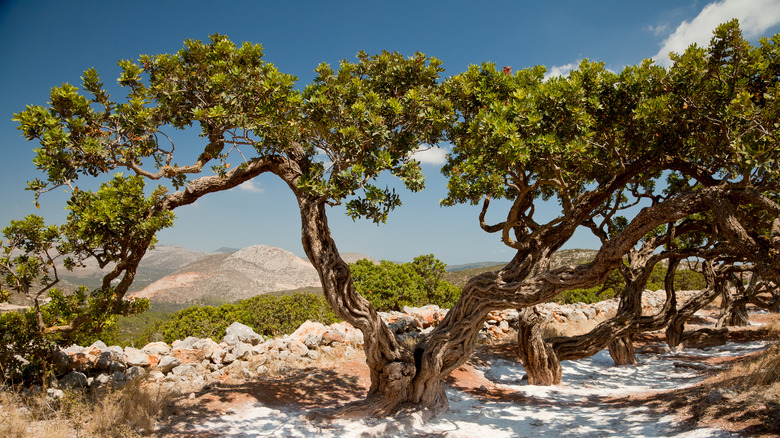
<point>635,157</point>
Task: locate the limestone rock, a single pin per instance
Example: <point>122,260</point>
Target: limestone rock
<point>167,363</point>
<point>244,333</point>
<point>158,348</point>
<point>310,333</point>
<point>136,357</point>
<point>188,355</point>
<point>75,379</point>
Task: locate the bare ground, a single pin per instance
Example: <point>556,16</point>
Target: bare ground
<point>336,382</point>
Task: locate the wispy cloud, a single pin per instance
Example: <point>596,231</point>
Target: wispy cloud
<point>561,70</point>
<point>250,186</point>
<point>661,29</point>
<point>436,156</point>
<point>755,17</point>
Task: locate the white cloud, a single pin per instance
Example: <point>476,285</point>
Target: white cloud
<point>561,70</point>
<point>755,17</point>
<point>432,155</point>
<point>660,29</point>
<point>250,186</point>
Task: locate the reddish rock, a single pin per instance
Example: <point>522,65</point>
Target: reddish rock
<point>136,358</point>
<point>332,336</point>
<point>426,316</point>
<point>310,333</point>
<point>298,348</point>
<point>189,355</point>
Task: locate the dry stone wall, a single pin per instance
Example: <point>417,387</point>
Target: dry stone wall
<point>195,361</point>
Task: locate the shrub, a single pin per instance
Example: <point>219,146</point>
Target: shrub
<point>277,315</point>
<point>26,353</point>
<point>266,314</point>
<point>391,286</point>
<point>586,296</point>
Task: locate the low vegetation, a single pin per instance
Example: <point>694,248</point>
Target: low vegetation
<point>266,314</point>
<point>391,286</point>
<point>131,411</point>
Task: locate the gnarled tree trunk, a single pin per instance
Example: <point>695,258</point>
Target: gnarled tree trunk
<point>676,327</point>
<point>622,350</point>
<point>539,359</point>
<point>391,364</point>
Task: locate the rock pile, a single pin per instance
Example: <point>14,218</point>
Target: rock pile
<point>243,352</point>
<point>197,361</point>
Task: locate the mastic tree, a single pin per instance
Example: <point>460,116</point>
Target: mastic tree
<point>103,225</point>
<point>328,143</point>
<point>697,138</point>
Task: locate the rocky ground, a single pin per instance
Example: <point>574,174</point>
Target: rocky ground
<point>323,366</point>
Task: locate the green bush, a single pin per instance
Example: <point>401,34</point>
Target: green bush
<point>265,314</point>
<point>391,286</point>
<point>26,352</point>
<point>684,279</point>
<point>277,315</point>
<point>586,296</point>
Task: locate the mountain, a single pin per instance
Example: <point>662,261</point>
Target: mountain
<point>243,274</point>
<point>156,264</point>
<point>352,257</point>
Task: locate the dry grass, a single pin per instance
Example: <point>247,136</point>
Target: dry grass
<point>126,412</point>
<point>773,328</point>
<point>31,416</point>
<point>743,399</point>
<point>758,371</point>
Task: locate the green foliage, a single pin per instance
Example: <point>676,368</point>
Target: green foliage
<point>27,264</point>
<point>27,256</point>
<point>391,286</point>
<point>329,142</point>
<point>131,327</point>
<point>684,279</point>
<point>599,142</point>
<point>585,296</point>
<point>370,116</point>
<point>112,218</point>
<point>27,351</point>
<point>277,315</point>
<point>26,354</point>
<point>267,315</point>
<point>688,279</point>
<point>201,322</point>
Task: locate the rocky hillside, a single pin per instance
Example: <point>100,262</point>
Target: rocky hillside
<point>158,262</point>
<point>229,277</point>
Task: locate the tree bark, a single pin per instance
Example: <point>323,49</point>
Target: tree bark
<point>391,364</point>
<point>539,359</point>
<point>622,351</point>
<point>705,337</point>
<point>676,327</point>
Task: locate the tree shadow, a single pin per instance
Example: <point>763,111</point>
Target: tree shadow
<point>299,390</point>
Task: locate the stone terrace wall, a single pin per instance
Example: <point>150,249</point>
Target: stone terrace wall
<point>243,352</point>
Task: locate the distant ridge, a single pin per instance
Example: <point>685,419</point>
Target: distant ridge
<point>156,264</point>
<point>226,250</point>
<point>220,278</point>
<point>456,268</point>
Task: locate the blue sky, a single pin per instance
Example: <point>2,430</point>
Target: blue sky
<point>43,44</point>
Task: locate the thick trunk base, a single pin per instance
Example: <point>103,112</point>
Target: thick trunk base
<point>539,358</point>
<point>622,351</point>
<point>738,317</point>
